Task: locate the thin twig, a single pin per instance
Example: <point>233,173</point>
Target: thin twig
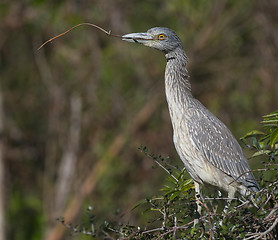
<point>209,214</point>
<point>153,230</point>
<point>183,227</point>
<point>78,25</point>
<point>256,170</point>
<point>272,212</point>
<point>166,170</point>
<point>92,25</point>
<point>224,198</point>
<point>175,228</point>
<point>155,208</point>
<point>150,156</point>
<point>257,236</point>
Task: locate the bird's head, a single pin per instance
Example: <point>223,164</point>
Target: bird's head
<point>161,38</point>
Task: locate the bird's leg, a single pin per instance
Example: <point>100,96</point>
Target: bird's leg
<point>231,195</point>
<point>198,204</point>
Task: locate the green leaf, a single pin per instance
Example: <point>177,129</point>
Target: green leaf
<point>174,195</point>
<point>253,133</point>
<point>273,114</point>
<point>187,187</point>
<point>261,152</point>
<point>225,228</point>
<point>170,192</point>
<point>273,121</point>
<point>193,230</point>
<point>171,179</point>
<point>139,203</point>
<point>274,137</point>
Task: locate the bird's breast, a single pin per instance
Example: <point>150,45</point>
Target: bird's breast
<point>178,106</point>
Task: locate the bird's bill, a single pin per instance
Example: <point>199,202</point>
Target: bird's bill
<point>137,37</point>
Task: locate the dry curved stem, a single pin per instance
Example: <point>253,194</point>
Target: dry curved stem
<point>92,25</point>
<point>78,25</point>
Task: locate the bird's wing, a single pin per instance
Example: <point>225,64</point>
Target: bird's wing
<point>219,147</point>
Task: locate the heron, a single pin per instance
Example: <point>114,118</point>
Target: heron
<point>210,153</point>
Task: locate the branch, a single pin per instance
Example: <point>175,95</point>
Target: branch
<point>78,25</point>
<point>164,168</point>
<point>209,214</point>
<point>257,236</point>
<point>92,25</point>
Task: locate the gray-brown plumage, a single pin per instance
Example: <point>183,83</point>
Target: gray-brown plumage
<point>206,146</point>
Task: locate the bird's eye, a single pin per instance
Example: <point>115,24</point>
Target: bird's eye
<point>161,37</point>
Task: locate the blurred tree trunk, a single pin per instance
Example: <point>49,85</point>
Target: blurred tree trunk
<point>69,158</point>
<point>2,185</point>
<point>135,123</point>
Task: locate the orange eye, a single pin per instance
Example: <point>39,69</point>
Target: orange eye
<point>161,37</point>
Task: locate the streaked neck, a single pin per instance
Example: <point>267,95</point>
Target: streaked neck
<point>176,74</point>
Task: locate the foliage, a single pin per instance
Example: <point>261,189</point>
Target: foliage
<point>173,218</point>
<point>265,142</point>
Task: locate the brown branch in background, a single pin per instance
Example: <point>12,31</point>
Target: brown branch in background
<point>2,166</point>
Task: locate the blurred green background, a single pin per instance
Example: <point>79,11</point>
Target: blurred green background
<point>74,113</point>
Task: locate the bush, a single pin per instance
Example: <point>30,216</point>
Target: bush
<point>173,211</point>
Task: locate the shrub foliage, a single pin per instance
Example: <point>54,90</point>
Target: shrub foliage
<point>173,210</point>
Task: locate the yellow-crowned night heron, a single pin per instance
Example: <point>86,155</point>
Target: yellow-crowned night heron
<point>206,146</point>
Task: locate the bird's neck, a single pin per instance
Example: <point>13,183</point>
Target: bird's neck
<point>176,74</point>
